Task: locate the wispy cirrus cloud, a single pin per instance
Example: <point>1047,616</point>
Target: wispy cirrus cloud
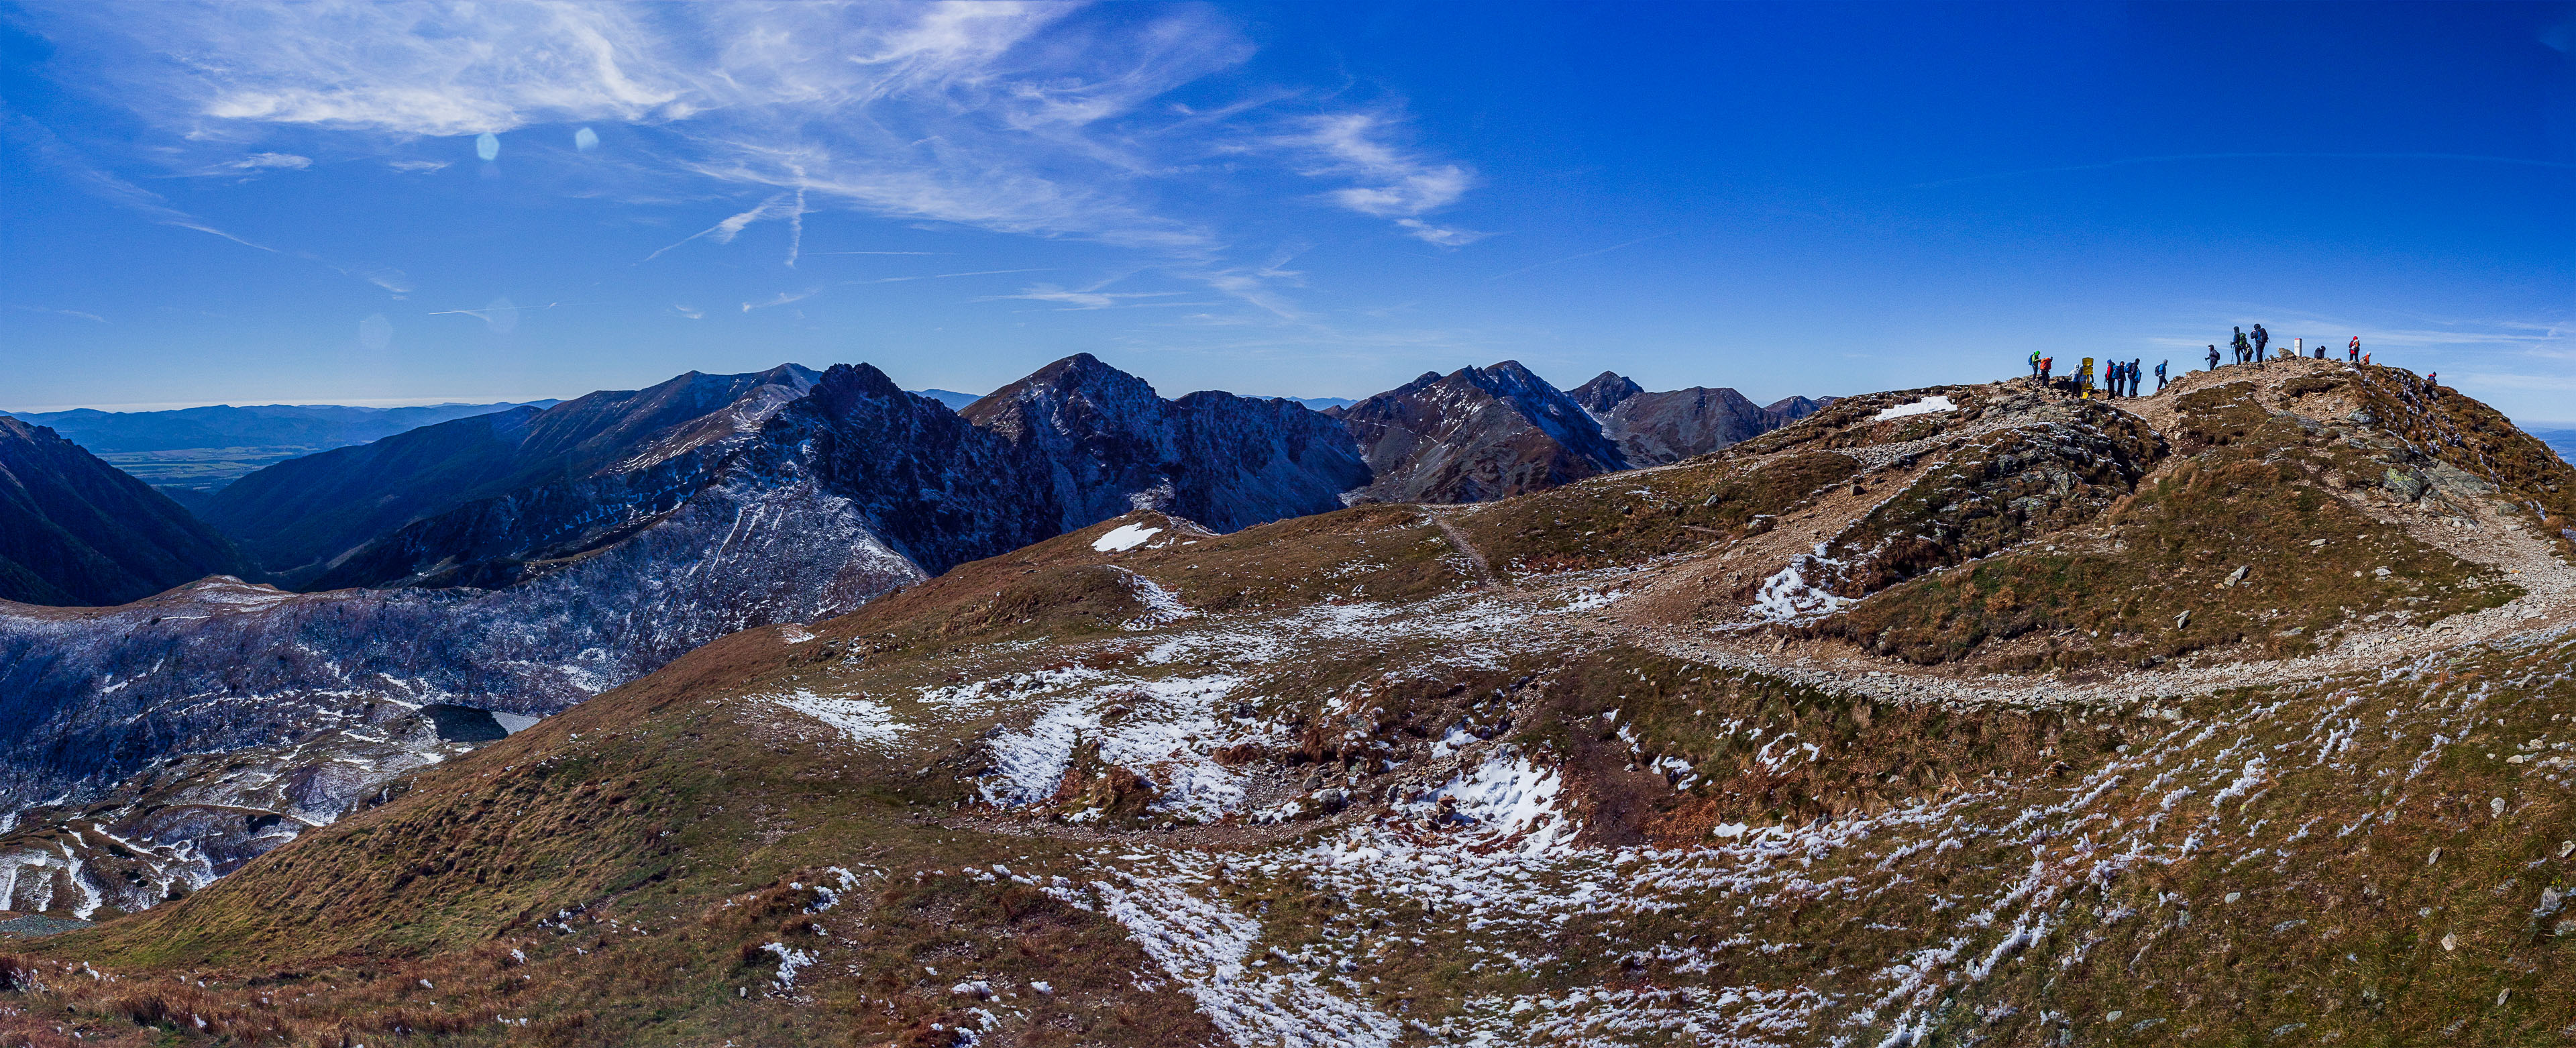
<point>258,162</point>
<point>1043,120</point>
<point>789,206</point>
<point>1392,182</point>
<point>77,314</point>
<point>47,148</point>
<point>780,299</point>
<point>1078,298</point>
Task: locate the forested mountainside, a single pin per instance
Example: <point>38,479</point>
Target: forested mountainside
<point>1972,714</point>
<point>76,531</point>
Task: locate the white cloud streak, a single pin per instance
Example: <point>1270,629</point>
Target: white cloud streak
<point>61,313</point>
<point>50,150</point>
<point>1034,119</point>
<point>782,298</point>
<point>1081,298</point>
<point>1393,182</point>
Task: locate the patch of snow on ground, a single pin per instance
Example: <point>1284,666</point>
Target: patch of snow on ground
<point>1507,797</point>
<point>1168,735</point>
<point>790,959</point>
<point>1124,537</point>
<point>1206,945</point>
<point>1162,607</point>
<point>1789,597</point>
<point>860,719</point>
<point>1925,406</point>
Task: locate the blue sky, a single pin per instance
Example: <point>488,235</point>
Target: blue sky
<point>251,202</point>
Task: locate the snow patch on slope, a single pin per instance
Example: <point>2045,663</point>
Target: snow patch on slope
<point>1124,537</point>
<point>1925,406</point>
<point>859,718</point>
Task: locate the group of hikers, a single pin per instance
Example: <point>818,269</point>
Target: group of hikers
<point>2118,379</point>
<point>2122,380</point>
<point>2250,349</point>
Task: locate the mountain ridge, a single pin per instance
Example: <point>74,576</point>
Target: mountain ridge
<point>1647,754</point>
<point>75,530</point>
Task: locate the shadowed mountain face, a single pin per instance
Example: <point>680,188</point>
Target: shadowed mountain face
<point>1476,434</point>
<point>1654,429</point>
<point>644,524</point>
<point>76,531</point>
<point>483,501</point>
<point>1107,441</point>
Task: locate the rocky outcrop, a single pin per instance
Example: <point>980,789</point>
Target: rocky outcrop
<point>76,531</point>
<point>1474,435</point>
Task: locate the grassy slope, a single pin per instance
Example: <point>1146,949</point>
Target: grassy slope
<point>2254,490</point>
<point>2249,867</point>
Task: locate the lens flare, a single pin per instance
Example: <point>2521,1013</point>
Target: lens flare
<point>585,139</point>
<point>487,145</point>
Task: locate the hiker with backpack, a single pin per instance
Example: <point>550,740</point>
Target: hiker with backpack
<point>2262,339</point>
<point>2034,365</point>
<point>2243,347</point>
<point>2352,353</point>
<point>2160,371</point>
<point>2213,357</point>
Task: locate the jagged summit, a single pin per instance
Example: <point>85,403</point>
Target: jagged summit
<point>1476,434</point>
<point>1604,392</point>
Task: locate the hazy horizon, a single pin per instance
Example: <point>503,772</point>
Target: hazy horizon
<point>319,203</point>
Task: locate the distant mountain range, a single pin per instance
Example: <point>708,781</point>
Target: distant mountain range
<point>2562,441</point>
<point>524,560</point>
<point>956,401</point>
<point>192,452</point>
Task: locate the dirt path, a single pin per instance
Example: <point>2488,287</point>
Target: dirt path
<point>2460,523</point>
<point>1475,558</point>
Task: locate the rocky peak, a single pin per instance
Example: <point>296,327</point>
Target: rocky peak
<point>1476,434</point>
<point>1604,392</point>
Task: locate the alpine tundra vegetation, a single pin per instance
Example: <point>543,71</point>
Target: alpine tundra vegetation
<point>2239,715</point>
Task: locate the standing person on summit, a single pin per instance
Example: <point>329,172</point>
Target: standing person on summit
<point>2135,372</point>
<point>2160,371</point>
<point>2243,347</point>
<point>2213,357</point>
<point>2034,365</point>
<point>2262,339</point>
<point>2045,364</point>
<point>2110,378</point>
<point>2352,353</point>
